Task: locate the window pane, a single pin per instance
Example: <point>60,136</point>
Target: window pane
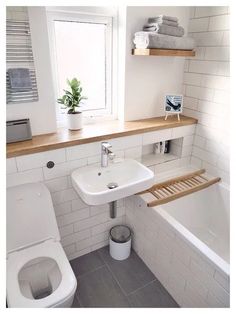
<point>81,53</point>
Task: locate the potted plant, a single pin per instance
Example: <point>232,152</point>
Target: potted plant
<point>71,100</point>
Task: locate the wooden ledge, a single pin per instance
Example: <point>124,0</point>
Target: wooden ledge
<point>93,133</point>
<point>163,52</point>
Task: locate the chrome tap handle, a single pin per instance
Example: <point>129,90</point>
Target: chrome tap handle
<point>111,155</point>
<point>105,146</point>
<point>105,152</point>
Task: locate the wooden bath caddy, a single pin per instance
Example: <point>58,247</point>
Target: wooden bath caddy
<point>172,189</point>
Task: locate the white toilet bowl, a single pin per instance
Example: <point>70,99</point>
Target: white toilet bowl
<point>38,271</point>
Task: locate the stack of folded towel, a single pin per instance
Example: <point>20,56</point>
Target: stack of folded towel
<point>163,32</point>
<point>164,24</point>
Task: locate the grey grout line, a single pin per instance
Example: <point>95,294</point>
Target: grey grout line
<point>126,294</point>
<point>146,284</point>
<point>115,278</point>
<point>79,277</point>
<point>89,272</point>
<point>108,268</point>
<point>210,31</point>
<point>113,275</point>
<point>100,255</point>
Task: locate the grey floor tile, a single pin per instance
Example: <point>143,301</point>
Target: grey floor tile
<point>131,273</point>
<point>86,263</point>
<point>76,302</point>
<point>152,295</point>
<point>99,289</point>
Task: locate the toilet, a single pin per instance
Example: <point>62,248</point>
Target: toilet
<point>38,271</point>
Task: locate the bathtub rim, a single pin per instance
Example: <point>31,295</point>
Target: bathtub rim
<point>198,244</point>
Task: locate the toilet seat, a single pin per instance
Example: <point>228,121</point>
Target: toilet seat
<point>16,261</point>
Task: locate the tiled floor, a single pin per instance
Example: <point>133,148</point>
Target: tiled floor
<point>105,282</point>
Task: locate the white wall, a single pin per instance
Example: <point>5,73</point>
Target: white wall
<point>41,113</point>
<point>206,85</point>
<point>100,10</point>
<point>148,79</point>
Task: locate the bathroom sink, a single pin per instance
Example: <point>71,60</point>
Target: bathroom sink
<point>99,185</point>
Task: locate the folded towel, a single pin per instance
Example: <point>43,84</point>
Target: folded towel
<point>167,17</point>
<point>164,29</point>
<point>154,40</point>
<point>150,28</point>
<point>171,23</point>
<point>160,20</point>
<point>20,78</point>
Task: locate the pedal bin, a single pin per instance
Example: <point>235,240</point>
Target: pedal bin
<point>120,242</point>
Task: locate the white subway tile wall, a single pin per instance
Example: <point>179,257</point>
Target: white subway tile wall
<point>188,275</point>
<point>84,228</point>
<point>40,159</point>
<point>206,87</point>
<point>11,165</point>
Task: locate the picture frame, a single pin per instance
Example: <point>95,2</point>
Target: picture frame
<point>173,104</point>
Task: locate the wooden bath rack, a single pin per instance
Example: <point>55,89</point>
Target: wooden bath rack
<point>172,189</point>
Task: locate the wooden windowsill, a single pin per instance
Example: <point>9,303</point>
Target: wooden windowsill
<point>93,133</point>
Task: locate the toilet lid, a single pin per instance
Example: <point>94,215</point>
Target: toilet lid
<point>30,216</point>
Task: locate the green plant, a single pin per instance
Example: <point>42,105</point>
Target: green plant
<point>73,98</point>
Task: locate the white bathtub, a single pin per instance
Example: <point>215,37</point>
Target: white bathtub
<point>203,219</point>
<point>186,244</point>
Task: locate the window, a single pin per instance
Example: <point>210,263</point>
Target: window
<point>82,48</point>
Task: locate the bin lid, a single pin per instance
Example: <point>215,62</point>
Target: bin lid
<point>120,234</point>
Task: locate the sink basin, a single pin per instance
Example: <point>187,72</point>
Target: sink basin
<point>97,185</point>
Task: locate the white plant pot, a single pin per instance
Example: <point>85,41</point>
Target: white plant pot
<point>74,121</point>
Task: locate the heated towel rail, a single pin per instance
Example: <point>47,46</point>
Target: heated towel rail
<point>19,54</point>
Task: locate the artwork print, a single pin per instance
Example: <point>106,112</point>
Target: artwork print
<point>173,103</point>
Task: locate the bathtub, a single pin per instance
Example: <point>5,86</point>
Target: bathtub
<point>186,244</point>
<point>203,219</point>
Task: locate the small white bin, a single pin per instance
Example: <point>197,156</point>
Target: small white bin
<point>120,242</point>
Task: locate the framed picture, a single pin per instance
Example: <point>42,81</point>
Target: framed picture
<point>173,105</point>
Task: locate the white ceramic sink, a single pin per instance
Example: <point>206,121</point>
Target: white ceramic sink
<point>91,182</point>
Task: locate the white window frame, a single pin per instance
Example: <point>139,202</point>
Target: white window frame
<point>110,112</point>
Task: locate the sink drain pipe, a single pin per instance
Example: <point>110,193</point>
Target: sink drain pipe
<point>113,205</point>
<point>113,209</point>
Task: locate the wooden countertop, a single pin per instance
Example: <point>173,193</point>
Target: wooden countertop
<point>93,133</point>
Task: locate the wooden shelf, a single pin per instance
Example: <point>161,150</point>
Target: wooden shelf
<point>93,133</point>
<point>163,52</point>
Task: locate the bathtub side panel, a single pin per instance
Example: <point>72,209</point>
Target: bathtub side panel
<point>206,215</point>
<point>191,279</point>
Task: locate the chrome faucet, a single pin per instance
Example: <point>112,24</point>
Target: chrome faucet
<point>106,154</point>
